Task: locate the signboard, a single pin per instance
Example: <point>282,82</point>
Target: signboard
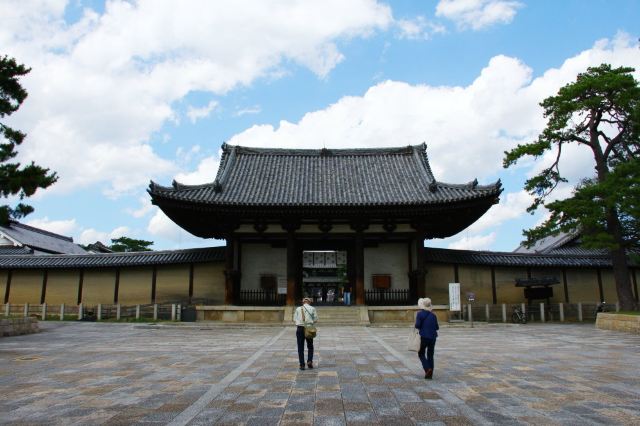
<point>454,297</point>
<point>282,285</point>
<point>471,297</point>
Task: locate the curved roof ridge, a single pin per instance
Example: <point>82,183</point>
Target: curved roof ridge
<point>403,150</point>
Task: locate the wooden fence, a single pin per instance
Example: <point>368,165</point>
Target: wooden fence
<point>387,297</point>
<point>261,298</point>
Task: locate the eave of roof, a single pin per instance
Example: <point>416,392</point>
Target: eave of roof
<point>489,258</point>
<point>341,178</point>
<point>107,260</point>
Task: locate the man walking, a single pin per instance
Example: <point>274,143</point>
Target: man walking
<point>304,315</point>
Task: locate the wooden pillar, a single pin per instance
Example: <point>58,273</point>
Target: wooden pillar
<point>228,272</point>
<point>635,282</point>
<point>43,293</point>
<point>154,278</point>
<point>190,282</point>
<point>8,287</point>
<point>80,284</point>
<point>116,289</point>
<point>419,289</point>
<point>566,285</point>
<point>494,292</point>
<point>600,284</point>
<point>456,275</point>
<point>292,260</point>
<point>359,260</point>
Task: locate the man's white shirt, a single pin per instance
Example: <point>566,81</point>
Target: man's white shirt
<point>310,315</point>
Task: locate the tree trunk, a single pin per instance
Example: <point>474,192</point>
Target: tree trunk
<point>621,272</point>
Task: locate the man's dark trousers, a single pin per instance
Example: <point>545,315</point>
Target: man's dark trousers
<point>428,345</point>
<point>300,337</point>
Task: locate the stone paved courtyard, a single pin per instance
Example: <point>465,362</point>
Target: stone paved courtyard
<point>91,373</point>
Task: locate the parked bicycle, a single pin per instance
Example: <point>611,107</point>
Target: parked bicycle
<point>518,317</point>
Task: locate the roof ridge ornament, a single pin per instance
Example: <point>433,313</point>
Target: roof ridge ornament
<point>433,186</point>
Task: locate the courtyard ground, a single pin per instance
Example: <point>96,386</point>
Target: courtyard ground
<point>95,373</point>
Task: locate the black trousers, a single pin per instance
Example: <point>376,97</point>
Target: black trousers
<point>300,338</point>
<point>428,345</point>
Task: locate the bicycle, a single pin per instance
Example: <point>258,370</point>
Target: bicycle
<point>518,316</point>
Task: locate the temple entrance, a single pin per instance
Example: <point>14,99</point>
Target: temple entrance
<point>324,276</point>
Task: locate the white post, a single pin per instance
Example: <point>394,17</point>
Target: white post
<point>155,311</point>
<point>44,312</point>
<point>179,312</point>
<point>118,312</point>
<point>137,312</point>
<point>26,310</point>
<point>80,313</point>
<point>617,306</point>
<point>580,311</point>
<point>504,312</point>
<point>173,312</point>
<point>523,311</point>
<point>542,312</point>
<point>470,314</point>
<point>561,306</point>
<point>62,312</point>
<point>486,311</point>
<point>99,316</point>
<point>7,309</point>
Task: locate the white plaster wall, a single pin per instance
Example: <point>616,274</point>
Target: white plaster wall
<point>260,259</point>
<point>387,259</point>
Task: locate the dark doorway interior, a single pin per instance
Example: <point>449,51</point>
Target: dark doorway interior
<point>324,274</point>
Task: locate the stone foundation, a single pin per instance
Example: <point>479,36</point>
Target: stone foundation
<point>619,322</point>
<point>402,314</point>
<point>240,314</point>
<point>18,326</point>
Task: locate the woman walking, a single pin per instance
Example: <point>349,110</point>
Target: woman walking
<point>427,324</point>
<point>304,315</point>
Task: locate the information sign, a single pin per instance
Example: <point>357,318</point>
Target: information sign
<point>454,297</point>
<point>282,285</point>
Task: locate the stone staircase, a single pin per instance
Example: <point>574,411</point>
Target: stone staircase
<point>342,315</point>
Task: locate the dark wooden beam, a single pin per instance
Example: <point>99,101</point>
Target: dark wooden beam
<point>635,282</point>
<point>116,289</point>
<point>600,284</point>
<point>43,293</point>
<point>228,272</point>
<point>190,282</point>
<point>291,268</point>
<point>7,289</point>
<point>566,285</point>
<point>154,278</point>
<point>359,264</point>
<point>494,292</point>
<point>456,275</point>
<point>80,285</point>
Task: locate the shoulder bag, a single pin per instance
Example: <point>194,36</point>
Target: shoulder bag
<point>310,330</point>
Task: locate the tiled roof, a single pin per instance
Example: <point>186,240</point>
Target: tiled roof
<point>4,250</point>
<point>468,257</point>
<point>324,177</point>
<point>41,240</point>
<point>106,260</point>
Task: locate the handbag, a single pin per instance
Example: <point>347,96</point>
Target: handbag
<point>413,344</point>
<point>310,330</point>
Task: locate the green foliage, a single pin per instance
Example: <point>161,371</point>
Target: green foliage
<point>601,111</point>
<point>126,244</point>
<point>14,179</point>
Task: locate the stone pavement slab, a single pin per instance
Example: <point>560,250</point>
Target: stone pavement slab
<point>116,374</point>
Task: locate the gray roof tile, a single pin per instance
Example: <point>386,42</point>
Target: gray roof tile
<point>107,260</point>
<point>336,177</point>
<point>41,240</point>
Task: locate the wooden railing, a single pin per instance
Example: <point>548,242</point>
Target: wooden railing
<point>261,298</point>
<point>387,297</point>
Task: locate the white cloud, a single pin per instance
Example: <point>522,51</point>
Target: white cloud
<point>511,206</point>
<point>255,109</point>
<point>418,29</point>
<point>101,88</point>
<point>195,114</point>
<point>477,242</point>
<point>205,172</point>
<point>467,129</point>
<point>144,209</point>
<point>61,227</point>
<point>90,235</point>
<point>478,14</point>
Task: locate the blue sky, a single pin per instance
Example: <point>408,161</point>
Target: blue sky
<point>125,92</point>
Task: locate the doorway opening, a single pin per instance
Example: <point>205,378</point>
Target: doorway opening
<point>324,276</point>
